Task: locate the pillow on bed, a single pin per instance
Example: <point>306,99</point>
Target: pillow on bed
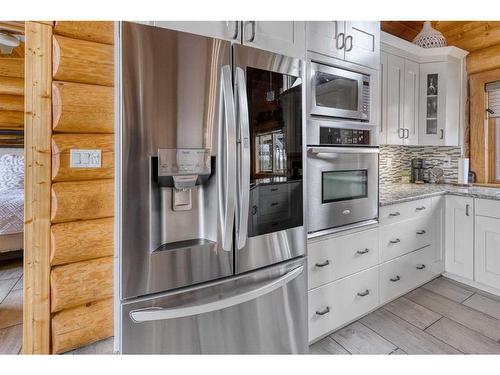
<point>11,172</point>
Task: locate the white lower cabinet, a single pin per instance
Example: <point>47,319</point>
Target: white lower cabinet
<point>460,236</point>
<point>487,243</point>
<point>353,274</point>
<point>334,304</point>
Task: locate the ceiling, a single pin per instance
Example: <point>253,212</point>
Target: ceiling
<point>468,35</point>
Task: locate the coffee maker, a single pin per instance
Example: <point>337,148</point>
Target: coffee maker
<point>418,171</point>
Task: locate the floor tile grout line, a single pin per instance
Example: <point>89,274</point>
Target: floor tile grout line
<point>479,333</point>
<point>463,302</point>
<point>342,346</point>
<point>10,290</point>
<point>426,332</point>
<point>378,333</point>
<point>430,325</point>
<point>407,321</point>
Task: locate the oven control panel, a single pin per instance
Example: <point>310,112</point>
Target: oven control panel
<point>337,136</point>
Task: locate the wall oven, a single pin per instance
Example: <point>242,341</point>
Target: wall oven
<point>342,182</point>
<point>339,93</point>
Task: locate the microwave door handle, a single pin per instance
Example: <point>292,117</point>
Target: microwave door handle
<point>343,150</point>
<point>226,159</point>
<point>157,313</point>
<point>244,165</point>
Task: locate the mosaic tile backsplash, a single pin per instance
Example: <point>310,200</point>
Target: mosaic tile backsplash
<point>395,159</point>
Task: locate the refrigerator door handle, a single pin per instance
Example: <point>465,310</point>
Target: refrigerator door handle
<point>158,313</point>
<point>226,161</point>
<point>244,158</point>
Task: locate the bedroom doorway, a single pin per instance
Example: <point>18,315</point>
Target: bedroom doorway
<point>11,185</point>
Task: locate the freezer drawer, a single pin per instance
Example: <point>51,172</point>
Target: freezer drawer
<point>263,312</point>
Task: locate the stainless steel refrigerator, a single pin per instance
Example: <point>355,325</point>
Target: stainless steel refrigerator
<point>211,237</point>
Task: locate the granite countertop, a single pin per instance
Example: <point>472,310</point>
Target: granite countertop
<point>398,193</point>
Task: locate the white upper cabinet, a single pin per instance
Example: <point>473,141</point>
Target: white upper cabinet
<point>440,107</point>
<point>459,236</point>
<point>395,98</point>
<point>227,30</point>
<point>410,102</point>
<point>326,37</point>
<point>284,37</point>
<point>357,42</point>
<point>362,43</point>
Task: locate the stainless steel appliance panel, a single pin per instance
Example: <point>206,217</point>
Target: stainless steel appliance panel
<point>269,95</point>
<point>264,312</point>
<point>175,95</point>
<point>342,186</point>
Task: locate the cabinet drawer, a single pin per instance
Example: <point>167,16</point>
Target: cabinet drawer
<point>405,273</point>
<point>334,258</point>
<point>276,189</point>
<point>487,207</point>
<point>274,203</point>
<point>402,211</point>
<point>337,303</point>
<point>401,238</point>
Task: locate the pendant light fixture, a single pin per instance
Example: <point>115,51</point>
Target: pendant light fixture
<point>429,37</point>
<point>7,42</point>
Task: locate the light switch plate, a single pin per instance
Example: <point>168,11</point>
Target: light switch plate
<point>85,158</point>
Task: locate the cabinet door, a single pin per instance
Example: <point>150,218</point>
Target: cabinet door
<point>487,251</point>
<point>410,110</point>
<point>460,236</point>
<point>362,43</point>
<point>284,37</point>
<point>395,98</point>
<point>326,37</point>
<point>432,113</point>
<point>227,30</point>
<point>438,233</point>
<point>383,97</point>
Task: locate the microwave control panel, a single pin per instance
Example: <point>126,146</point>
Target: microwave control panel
<point>337,136</point>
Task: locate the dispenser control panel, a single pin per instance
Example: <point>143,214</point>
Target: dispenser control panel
<point>183,161</point>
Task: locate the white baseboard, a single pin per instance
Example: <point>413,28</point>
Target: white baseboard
<point>472,283</point>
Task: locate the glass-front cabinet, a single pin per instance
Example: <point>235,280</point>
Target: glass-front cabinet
<point>275,117</point>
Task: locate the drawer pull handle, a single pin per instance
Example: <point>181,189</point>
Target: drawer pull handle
<point>421,232</point>
<point>323,312</point>
<point>421,267</point>
<point>420,208</point>
<point>274,189</point>
<point>394,214</point>
<point>364,294</point>
<point>361,252</point>
<point>397,240</point>
<point>325,263</point>
<point>394,279</point>
<point>274,204</point>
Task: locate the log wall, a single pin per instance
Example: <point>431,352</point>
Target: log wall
<point>82,200</point>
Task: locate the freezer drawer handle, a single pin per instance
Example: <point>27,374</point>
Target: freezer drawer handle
<point>157,313</point>
<point>326,310</point>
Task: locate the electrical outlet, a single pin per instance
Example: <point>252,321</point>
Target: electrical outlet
<point>85,158</point>
<point>447,161</point>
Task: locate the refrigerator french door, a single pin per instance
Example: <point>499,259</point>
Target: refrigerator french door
<point>212,241</point>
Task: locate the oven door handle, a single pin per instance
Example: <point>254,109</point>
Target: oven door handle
<point>343,150</point>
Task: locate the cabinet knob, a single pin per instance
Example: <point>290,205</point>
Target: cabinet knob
<point>324,311</point>
<point>394,279</point>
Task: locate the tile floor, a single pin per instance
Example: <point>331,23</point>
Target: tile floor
<point>441,317</point>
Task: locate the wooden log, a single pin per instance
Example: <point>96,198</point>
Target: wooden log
<point>12,120</point>
<point>483,59</point>
<point>12,67</point>
<point>78,283</point>
<point>37,181</point>
<point>81,240</point>
<point>11,86</point>
<point>81,61</point>
<point>94,31</point>
<point>12,103</point>
<point>81,108</point>
<point>82,325</point>
<point>82,200</point>
<point>61,147</point>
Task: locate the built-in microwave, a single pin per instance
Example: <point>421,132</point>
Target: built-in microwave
<point>339,93</point>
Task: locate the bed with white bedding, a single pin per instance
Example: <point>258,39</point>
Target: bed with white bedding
<point>11,202</point>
